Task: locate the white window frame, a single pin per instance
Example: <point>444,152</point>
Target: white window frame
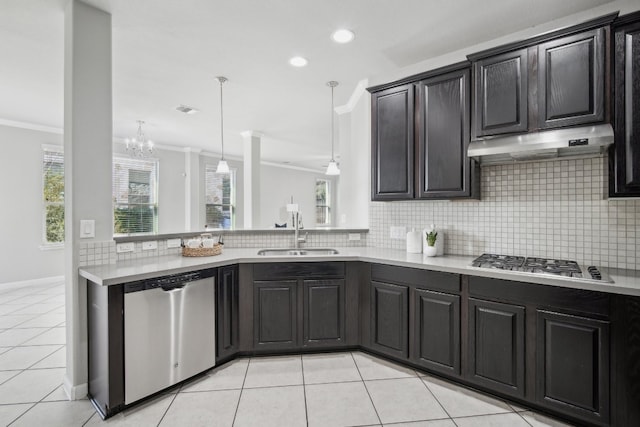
<point>327,205</point>
<point>232,202</point>
<point>46,245</point>
<point>155,189</point>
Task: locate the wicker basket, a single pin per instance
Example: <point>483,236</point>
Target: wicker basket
<point>215,250</point>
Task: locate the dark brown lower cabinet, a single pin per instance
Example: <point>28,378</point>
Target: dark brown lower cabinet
<point>275,314</point>
<point>496,346</point>
<point>227,294</point>
<point>390,319</point>
<point>323,309</point>
<point>572,358</point>
<point>436,344</point>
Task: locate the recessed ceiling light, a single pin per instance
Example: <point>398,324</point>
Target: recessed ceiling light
<point>298,61</point>
<point>186,109</point>
<point>343,36</point>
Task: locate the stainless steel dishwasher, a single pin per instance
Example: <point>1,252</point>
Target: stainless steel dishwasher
<point>169,331</point>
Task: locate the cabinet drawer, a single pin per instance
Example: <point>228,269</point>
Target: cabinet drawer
<point>437,280</point>
<point>292,270</point>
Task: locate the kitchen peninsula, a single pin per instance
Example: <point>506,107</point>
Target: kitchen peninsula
<point>505,333</point>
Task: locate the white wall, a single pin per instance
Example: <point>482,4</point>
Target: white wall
<point>278,184</point>
<point>21,215</point>
<point>355,165</point>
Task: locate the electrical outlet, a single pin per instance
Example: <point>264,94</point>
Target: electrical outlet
<point>354,236</point>
<point>398,233</point>
<point>173,243</point>
<point>147,246</point>
<point>124,247</point>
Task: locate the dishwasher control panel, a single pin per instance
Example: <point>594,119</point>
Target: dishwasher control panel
<point>168,282</point>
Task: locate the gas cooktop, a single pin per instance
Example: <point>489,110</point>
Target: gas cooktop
<point>554,267</point>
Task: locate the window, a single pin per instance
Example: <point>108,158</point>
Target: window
<point>323,202</point>
<point>220,194</point>
<point>135,200</point>
<point>53,195</point>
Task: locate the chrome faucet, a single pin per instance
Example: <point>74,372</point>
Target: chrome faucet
<point>296,235</point>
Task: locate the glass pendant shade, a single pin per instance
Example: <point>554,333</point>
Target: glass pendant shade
<point>223,167</point>
<point>332,168</point>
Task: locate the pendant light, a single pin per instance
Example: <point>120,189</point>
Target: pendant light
<point>223,167</point>
<point>332,168</point>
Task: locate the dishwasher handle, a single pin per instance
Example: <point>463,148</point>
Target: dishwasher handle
<point>172,288</point>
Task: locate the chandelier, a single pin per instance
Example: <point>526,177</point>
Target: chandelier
<point>139,146</point>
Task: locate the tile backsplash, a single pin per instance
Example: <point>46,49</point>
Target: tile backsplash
<point>554,209</point>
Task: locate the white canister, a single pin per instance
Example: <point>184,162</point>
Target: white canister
<point>414,242</point>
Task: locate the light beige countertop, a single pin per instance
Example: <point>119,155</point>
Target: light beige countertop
<point>626,282</point>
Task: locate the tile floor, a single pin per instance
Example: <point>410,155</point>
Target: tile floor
<point>339,389</point>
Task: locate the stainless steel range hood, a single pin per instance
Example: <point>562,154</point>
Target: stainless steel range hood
<point>578,141</point>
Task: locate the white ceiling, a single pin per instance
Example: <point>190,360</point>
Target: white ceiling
<point>167,52</point>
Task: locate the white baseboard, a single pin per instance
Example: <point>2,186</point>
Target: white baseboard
<point>75,392</point>
<point>42,281</point>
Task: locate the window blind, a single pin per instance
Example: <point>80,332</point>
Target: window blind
<point>135,200</point>
<point>220,198</point>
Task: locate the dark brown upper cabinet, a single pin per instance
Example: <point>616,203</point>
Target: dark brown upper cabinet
<point>555,80</point>
<point>392,143</point>
<point>420,135</point>
<point>571,80</point>
<point>624,158</point>
<point>500,101</point>
<point>443,134</point>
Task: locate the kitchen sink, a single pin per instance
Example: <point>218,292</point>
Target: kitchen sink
<point>296,252</point>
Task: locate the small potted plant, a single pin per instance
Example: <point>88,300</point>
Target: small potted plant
<point>431,250</point>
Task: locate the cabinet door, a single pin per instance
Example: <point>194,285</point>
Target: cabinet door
<point>443,107</point>
<point>392,154</point>
<point>437,331</point>
<point>571,77</point>
<point>323,309</point>
<point>624,166</point>
<point>496,346</point>
<point>227,312</point>
<point>274,314</point>
<point>390,319</point>
<point>500,101</point>
<point>573,365</point>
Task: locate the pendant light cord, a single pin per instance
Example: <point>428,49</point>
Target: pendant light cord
<point>221,120</point>
<point>332,131</point>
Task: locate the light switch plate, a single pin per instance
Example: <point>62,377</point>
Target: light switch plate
<point>354,236</point>
<point>173,243</point>
<point>124,247</point>
<point>398,233</point>
<point>147,246</point>
<point>87,228</point>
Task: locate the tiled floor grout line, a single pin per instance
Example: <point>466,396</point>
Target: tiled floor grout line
<point>365,388</point>
<point>164,414</point>
<point>38,402</point>
<point>244,380</point>
<point>523,418</point>
<point>304,392</point>
<point>435,397</point>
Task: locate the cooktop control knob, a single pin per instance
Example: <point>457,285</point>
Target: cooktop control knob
<point>594,272</point>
